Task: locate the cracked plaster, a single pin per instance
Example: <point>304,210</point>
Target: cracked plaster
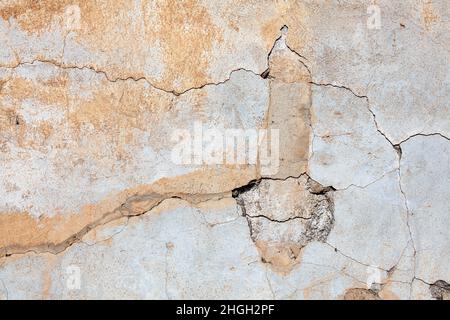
<point>87,109</point>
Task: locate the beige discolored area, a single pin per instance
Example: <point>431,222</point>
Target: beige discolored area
<point>360,294</point>
<point>21,232</point>
<point>32,15</point>
<point>74,128</point>
<point>95,97</point>
<point>290,103</point>
<point>175,45</point>
<point>96,130</point>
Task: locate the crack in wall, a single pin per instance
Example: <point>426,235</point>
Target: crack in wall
<point>408,210</point>
<point>314,230</point>
<point>353,259</point>
<point>153,200</point>
<point>398,150</point>
<point>289,105</point>
<point>362,97</point>
<point>394,145</point>
<point>306,209</point>
<point>408,224</point>
<point>128,78</point>
<point>282,39</point>
<point>125,210</point>
<point>133,207</point>
<point>124,227</point>
<point>424,135</point>
<point>440,290</point>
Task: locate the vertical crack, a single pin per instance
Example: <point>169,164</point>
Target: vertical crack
<point>409,213</point>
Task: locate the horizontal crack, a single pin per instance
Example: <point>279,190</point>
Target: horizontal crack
<point>129,78</point>
<point>424,135</point>
<point>353,259</point>
<point>277,221</point>
<point>338,87</point>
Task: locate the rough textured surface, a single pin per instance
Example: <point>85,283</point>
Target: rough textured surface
<point>224,149</point>
<point>284,216</point>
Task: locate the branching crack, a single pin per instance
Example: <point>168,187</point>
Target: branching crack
<point>362,97</point>
<point>281,41</point>
<point>409,213</point>
<point>128,208</point>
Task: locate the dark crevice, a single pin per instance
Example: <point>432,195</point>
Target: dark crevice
<point>284,30</point>
<point>275,220</point>
<point>425,135</point>
<point>440,290</point>
<point>265,73</point>
<point>399,150</point>
<point>128,78</point>
<point>338,87</point>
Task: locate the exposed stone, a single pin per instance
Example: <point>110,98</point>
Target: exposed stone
<point>94,145</point>
<point>284,216</point>
<point>155,256</point>
<point>440,290</point>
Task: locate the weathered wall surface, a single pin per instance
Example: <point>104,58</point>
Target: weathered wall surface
<point>348,196</point>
